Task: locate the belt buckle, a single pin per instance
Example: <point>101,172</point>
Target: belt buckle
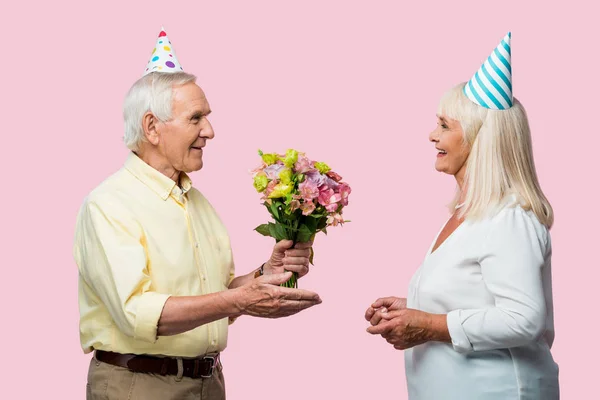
<point>213,362</point>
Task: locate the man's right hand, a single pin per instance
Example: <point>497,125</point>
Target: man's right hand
<point>263,297</point>
<point>382,306</point>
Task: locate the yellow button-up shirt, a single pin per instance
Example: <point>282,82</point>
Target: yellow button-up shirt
<point>139,239</point>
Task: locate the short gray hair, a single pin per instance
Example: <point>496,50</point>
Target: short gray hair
<point>151,93</point>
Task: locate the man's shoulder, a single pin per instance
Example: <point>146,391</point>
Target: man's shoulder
<point>111,191</point>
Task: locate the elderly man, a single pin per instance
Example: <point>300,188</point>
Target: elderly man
<point>156,277</point>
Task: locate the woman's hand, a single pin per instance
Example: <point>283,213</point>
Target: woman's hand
<point>382,306</point>
<point>407,328</point>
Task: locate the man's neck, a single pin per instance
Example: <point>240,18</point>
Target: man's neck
<point>159,163</point>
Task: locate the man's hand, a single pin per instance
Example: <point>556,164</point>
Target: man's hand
<point>263,297</point>
<point>285,258</point>
<point>407,328</point>
<point>382,306</point>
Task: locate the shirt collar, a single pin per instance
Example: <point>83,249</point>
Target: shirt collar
<point>159,183</point>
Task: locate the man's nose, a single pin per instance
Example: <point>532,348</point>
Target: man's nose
<point>207,131</point>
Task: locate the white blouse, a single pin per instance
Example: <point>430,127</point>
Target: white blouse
<point>493,280</point>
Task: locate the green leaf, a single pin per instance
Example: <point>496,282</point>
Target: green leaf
<point>275,209</point>
<point>311,223</point>
<point>263,230</point>
<point>322,224</point>
<point>304,234</point>
<point>277,231</point>
<point>312,256</point>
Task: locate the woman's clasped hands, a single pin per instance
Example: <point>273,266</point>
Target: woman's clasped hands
<point>404,327</point>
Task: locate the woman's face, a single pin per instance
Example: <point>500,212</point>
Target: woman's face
<point>448,138</point>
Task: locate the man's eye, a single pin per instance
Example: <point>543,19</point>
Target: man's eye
<point>444,126</point>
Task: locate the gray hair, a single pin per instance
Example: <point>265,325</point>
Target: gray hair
<point>151,93</point>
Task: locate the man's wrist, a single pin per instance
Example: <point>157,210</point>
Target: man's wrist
<point>260,272</point>
<point>267,268</point>
<point>236,301</point>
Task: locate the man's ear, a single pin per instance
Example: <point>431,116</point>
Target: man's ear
<point>149,122</point>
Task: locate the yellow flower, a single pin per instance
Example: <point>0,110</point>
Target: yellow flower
<point>322,167</point>
<point>280,190</point>
<point>260,183</point>
<point>286,176</point>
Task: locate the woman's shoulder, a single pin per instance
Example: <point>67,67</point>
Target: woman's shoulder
<point>512,218</point>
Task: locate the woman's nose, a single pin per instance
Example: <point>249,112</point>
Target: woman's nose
<point>434,135</point>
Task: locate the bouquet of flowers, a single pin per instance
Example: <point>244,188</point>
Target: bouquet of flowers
<point>303,197</point>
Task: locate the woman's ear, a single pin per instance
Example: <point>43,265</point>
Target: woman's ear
<point>149,122</point>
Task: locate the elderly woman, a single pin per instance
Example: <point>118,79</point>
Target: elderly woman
<point>477,322</point>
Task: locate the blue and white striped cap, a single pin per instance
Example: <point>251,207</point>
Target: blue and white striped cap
<point>491,86</point>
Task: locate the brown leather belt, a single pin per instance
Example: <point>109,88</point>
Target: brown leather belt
<point>201,367</point>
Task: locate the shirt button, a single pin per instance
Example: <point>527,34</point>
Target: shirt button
<point>196,245</point>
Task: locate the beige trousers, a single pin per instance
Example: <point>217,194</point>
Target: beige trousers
<point>109,382</point>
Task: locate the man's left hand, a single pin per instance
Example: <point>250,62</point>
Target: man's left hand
<point>288,258</point>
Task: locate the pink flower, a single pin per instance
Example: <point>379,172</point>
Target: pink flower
<point>270,187</point>
<point>330,183</point>
<point>344,191</point>
<point>316,177</point>
<point>307,207</point>
<point>304,165</point>
<point>294,205</point>
<point>273,170</point>
<point>258,169</point>
<point>334,176</point>
<point>335,219</point>
<point>325,194</point>
<point>329,199</point>
<point>331,207</point>
<point>308,190</point>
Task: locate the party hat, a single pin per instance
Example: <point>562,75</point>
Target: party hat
<point>163,58</point>
<point>491,86</point>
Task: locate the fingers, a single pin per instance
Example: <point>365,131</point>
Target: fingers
<point>384,302</point>
<point>378,315</point>
<point>392,314</point>
<point>296,264</point>
<point>276,279</point>
<point>298,253</point>
<point>303,245</point>
<point>369,313</point>
<point>295,261</point>
<point>300,294</point>
<point>381,328</point>
<point>301,270</point>
<point>282,246</point>
<point>297,306</point>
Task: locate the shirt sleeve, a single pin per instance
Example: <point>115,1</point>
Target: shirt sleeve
<point>511,266</point>
<point>112,261</point>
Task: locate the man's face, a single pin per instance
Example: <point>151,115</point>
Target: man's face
<point>185,134</point>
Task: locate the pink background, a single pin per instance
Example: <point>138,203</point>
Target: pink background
<point>354,85</point>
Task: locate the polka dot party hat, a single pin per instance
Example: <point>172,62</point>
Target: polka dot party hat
<point>163,58</point>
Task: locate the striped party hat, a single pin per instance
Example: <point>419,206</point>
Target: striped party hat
<point>163,58</point>
<point>491,86</point>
